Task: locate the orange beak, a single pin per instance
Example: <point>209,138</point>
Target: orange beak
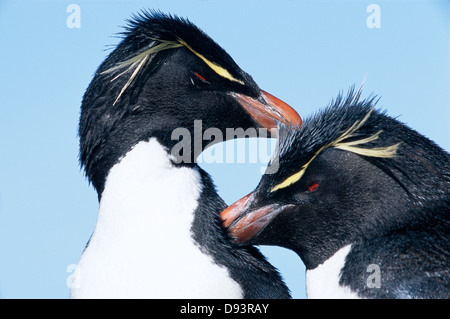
<point>267,110</point>
<point>243,225</point>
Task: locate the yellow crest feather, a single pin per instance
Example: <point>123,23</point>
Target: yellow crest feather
<point>138,61</point>
<point>214,66</point>
<point>351,146</point>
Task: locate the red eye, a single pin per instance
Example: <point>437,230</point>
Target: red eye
<point>200,77</point>
<point>312,187</point>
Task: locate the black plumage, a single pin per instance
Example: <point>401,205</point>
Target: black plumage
<point>384,189</point>
<point>166,74</point>
<point>161,97</point>
<point>246,265</point>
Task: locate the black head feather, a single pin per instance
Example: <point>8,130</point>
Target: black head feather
<point>355,177</point>
<point>164,75</point>
<point>147,87</point>
<point>388,185</point>
<point>145,27</point>
<point>415,157</point>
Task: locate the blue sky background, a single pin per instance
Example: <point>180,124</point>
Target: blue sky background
<point>304,52</point>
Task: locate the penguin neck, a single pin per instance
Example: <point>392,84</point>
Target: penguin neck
<point>146,189</point>
<point>143,237</point>
<point>182,139</point>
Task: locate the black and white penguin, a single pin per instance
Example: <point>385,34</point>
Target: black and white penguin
<point>361,198</point>
<point>158,233</point>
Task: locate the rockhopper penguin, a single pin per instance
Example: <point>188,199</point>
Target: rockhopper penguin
<point>158,233</point>
<point>361,198</point>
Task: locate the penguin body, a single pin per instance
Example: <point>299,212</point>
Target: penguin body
<point>132,251</point>
<point>362,199</point>
<point>158,233</point>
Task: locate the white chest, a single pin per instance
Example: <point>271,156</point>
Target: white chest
<point>322,282</point>
<point>142,246</point>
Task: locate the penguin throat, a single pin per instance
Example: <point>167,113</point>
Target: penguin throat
<point>142,246</point>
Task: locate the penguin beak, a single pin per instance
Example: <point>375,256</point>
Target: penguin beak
<point>244,223</point>
<point>267,110</point>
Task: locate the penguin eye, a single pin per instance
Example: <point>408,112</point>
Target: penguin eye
<point>199,80</point>
<point>312,187</point>
<point>201,77</point>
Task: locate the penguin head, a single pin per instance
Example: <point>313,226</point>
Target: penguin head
<point>349,173</point>
<point>167,74</point>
